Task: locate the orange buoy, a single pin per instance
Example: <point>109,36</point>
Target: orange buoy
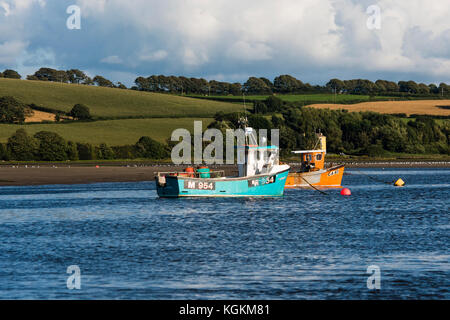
<point>346,192</point>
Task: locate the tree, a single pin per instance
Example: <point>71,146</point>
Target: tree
<point>72,151</point>
<point>408,86</point>
<point>103,82</point>
<point>86,151</point>
<point>259,107</point>
<point>11,74</point>
<point>236,89</point>
<point>256,86</point>
<point>335,84</point>
<point>80,112</point>
<point>287,84</point>
<point>106,152</point>
<point>120,85</point>
<point>4,153</point>
<point>1,74</point>
<point>21,146</point>
<point>11,110</point>
<point>273,104</point>
<point>146,147</point>
<point>76,76</point>
<point>51,146</point>
<point>46,74</point>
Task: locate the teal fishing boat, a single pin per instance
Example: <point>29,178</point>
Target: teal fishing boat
<point>260,175</point>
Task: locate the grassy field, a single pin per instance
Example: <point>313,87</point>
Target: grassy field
<point>425,107</point>
<point>319,98</point>
<point>109,102</point>
<point>112,132</point>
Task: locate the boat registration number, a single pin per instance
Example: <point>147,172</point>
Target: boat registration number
<point>332,173</point>
<point>199,185</point>
<point>260,182</point>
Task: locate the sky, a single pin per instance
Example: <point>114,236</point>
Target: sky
<point>230,40</point>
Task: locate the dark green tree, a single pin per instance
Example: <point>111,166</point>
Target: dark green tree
<point>76,76</point>
<point>86,151</point>
<point>273,104</point>
<point>11,74</point>
<point>11,110</point>
<point>51,146</point>
<point>72,151</point>
<point>21,146</point>
<point>102,82</point>
<point>80,112</point>
<point>146,147</point>
<point>106,152</point>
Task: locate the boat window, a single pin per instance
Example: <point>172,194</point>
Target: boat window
<point>319,157</point>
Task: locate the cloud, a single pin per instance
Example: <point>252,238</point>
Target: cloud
<point>153,56</point>
<point>6,8</point>
<point>9,50</point>
<point>111,60</point>
<point>313,40</point>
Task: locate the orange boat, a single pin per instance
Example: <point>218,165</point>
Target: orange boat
<point>313,172</point>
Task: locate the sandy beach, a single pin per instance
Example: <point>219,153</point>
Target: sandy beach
<point>17,175</point>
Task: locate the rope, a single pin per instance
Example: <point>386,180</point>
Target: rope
<point>313,186</point>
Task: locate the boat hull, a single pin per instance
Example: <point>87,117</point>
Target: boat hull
<point>271,185</point>
<point>327,178</point>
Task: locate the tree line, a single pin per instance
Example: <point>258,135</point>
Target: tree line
<point>353,133</point>
<point>50,146</point>
<point>283,84</point>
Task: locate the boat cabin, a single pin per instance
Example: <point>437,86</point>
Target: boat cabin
<point>312,160</point>
<point>257,159</point>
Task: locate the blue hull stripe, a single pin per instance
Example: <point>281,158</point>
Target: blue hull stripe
<point>257,186</point>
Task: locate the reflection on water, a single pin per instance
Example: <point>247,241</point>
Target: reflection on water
<point>130,244</point>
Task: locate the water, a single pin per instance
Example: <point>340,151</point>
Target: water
<point>131,245</point>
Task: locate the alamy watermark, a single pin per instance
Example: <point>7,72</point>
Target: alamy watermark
<point>74,20</point>
<point>374,20</point>
<point>74,280</point>
<point>213,153</point>
<point>374,281</point>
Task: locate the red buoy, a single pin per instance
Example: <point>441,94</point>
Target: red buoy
<point>346,192</point>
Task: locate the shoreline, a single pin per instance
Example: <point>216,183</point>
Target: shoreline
<point>53,174</point>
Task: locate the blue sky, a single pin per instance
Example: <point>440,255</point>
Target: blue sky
<point>313,40</point>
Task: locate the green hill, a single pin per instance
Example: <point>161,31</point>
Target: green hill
<point>112,132</point>
<point>110,102</point>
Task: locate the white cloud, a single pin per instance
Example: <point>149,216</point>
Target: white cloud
<point>310,38</point>
<point>6,8</point>
<point>250,51</point>
<point>153,56</point>
<point>10,50</point>
<point>111,60</point>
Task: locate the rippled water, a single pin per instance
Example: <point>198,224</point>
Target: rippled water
<point>131,245</point>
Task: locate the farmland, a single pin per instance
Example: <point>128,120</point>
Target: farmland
<point>110,102</point>
<point>112,132</point>
<point>422,107</point>
<point>306,98</point>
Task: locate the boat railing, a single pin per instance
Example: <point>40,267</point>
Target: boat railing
<point>212,174</point>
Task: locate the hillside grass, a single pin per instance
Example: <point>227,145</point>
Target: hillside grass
<point>112,132</point>
<point>110,102</point>
<point>307,98</point>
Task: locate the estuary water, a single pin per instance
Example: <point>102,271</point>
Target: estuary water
<point>129,244</point>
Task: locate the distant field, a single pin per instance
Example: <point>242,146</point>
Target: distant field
<point>109,102</point>
<point>322,98</point>
<point>425,107</point>
<point>112,132</point>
